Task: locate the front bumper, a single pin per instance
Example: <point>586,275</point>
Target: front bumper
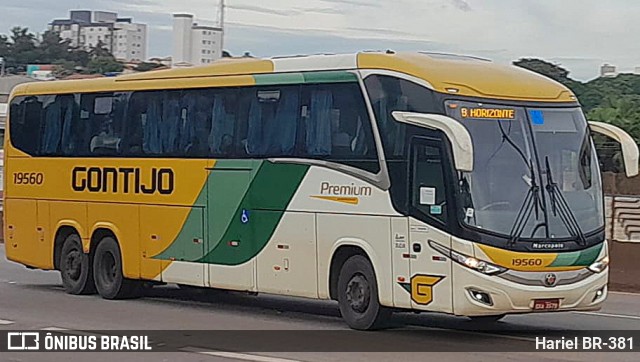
<point>509,297</point>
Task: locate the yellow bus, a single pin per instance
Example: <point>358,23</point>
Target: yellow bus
<point>385,181</point>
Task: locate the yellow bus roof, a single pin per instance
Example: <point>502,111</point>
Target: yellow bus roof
<point>466,76</point>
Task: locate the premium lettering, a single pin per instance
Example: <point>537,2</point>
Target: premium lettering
<point>344,190</point>
<point>123,180</point>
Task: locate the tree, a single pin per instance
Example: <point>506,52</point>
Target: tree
<point>64,68</point>
<point>23,47</point>
<point>105,64</point>
<point>4,46</point>
<point>79,56</point>
<point>99,50</point>
<point>52,48</point>
<point>145,66</point>
<point>545,68</point>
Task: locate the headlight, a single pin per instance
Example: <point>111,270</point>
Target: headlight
<point>476,264</point>
<point>600,265</point>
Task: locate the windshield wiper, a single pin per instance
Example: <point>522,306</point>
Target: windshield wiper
<point>531,202</point>
<point>559,206</point>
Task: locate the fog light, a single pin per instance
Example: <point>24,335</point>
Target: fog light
<point>600,293</point>
<point>481,297</point>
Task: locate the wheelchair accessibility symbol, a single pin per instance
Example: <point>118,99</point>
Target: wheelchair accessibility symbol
<point>244,218</point>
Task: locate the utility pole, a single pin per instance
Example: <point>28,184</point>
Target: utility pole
<point>222,26</point>
<point>1,67</point>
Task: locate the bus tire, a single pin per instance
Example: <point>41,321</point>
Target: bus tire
<point>358,295</point>
<point>107,271</point>
<point>75,267</point>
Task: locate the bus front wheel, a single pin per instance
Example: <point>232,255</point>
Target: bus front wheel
<point>358,295</point>
<point>107,271</point>
<point>75,267</point>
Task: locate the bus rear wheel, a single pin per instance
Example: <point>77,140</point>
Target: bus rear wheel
<point>358,295</point>
<point>107,271</point>
<point>75,267</point>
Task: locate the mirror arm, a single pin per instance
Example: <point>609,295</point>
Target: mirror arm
<point>630,151</point>
<point>457,134</point>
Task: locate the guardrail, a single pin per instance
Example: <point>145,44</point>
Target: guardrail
<point>623,218</point>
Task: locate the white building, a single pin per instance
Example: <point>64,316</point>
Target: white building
<point>130,41</point>
<point>608,70</point>
<point>194,44</point>
<point>126,40</point>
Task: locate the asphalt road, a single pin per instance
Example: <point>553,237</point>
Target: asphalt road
<point>31,300</point>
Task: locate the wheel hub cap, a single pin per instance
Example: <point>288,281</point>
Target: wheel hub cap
<point>358,293</point>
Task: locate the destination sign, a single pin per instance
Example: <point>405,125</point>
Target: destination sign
<point>488,113</point>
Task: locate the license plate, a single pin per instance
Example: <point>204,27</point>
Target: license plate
<point>546,304</point>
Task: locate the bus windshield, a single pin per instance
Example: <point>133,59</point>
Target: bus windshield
<point>539,162</point>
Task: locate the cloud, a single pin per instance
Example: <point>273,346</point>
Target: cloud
<point>263,10</point>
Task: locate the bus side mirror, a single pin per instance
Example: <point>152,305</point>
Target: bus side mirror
<point>457,134</point>
<point>630,151</point>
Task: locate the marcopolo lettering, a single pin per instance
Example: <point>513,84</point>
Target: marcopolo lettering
<point>123,180</point>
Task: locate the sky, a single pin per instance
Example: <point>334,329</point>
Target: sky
<point>580,35</point>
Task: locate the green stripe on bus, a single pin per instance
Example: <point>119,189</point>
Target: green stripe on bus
<point>330,77</point>
<point>578,258</point>
<point>218,212</point>
<point>182,248</point>
<point>566,259</point>
<point>588,256</point>
<point>278,78</point>
<point>306,77</point>
<point>264,204</point>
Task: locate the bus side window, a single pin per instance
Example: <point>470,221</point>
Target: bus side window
<point>272,121</point>
<point>58,119</point>
<point>336,127</point>
<point>222,115</point>
<point>103,115</point>
<point>133,126</point>
<point>25,116</point>
<point>427,177</point>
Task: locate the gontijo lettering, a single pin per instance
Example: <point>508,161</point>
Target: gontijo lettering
<point>490,113</point>
<point>123,180</point>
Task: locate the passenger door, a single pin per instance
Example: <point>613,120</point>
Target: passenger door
<point>230,223</point>
<point>429,205</point>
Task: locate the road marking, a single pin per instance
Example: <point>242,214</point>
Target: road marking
<point>610,315</point>
<point>69,331</point>
<point>486,334</point>
<point>4,322</point>
<point>239,356</point>
<point>625,293</point>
